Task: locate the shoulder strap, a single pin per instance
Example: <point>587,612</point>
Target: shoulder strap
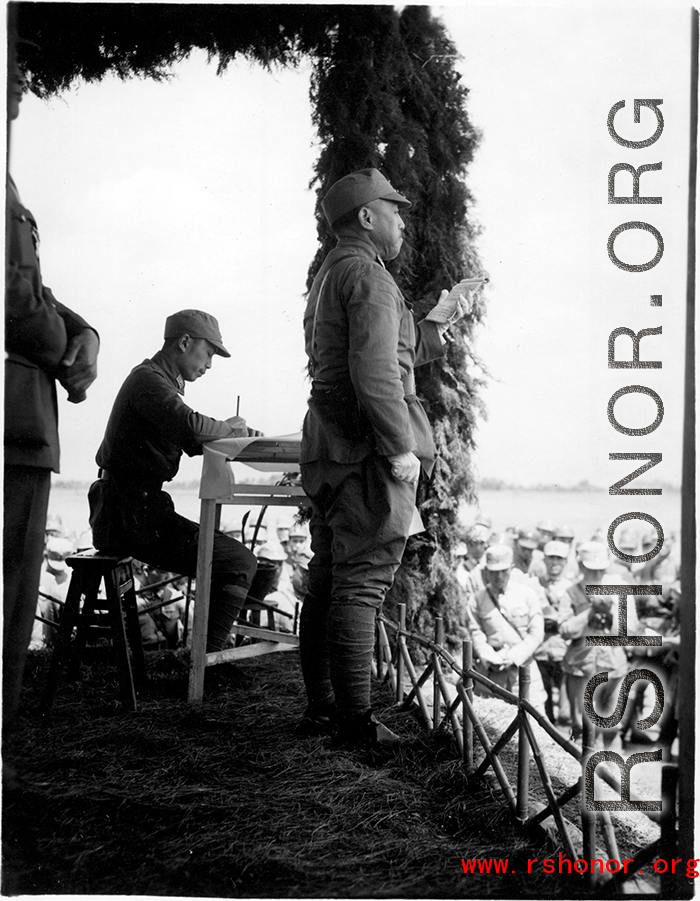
<point>500,610</point>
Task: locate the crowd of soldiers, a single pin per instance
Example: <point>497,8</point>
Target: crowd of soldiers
<point>524,599</point>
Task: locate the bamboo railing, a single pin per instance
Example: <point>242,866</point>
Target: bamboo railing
<point>396,667</point>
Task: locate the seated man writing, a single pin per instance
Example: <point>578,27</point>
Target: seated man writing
<point>149,428</point>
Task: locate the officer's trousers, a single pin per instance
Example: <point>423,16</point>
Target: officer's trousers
<point>359,528</point>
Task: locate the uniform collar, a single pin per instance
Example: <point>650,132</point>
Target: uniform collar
<point>362,245</point>
<point>162,362</point>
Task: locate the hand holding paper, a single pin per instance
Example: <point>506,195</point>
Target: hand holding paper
<point>456,303</point>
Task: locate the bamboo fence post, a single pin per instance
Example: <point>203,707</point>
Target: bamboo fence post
<point>523,747</point>
<point>386,652</point>
<point>670,883</point>
<point>588,823</point>
<point>437,697</point>
<point>416,682</point>
<point>548,789</point>
<point>496,764</point>
<point>450,710</point>
<point>399,660</point>
<point>468,682</point>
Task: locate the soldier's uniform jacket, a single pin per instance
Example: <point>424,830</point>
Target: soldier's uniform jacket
<point>37,331</point>
<point>515,623</point>
<point>581,660</point>
<point>360,331</point>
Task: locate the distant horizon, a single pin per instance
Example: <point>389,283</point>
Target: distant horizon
<point>486,484</point>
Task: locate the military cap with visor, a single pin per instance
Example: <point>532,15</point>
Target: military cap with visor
<point>196,324</point>
<point>498,557</point>
<point>355,190</point>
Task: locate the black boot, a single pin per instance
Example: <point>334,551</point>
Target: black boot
<point>317,720</point>
<point>363,730</point>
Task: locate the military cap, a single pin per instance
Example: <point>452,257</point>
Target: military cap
<point>355,190</point>
<point>498,556</point>
<point>593,555</point>
<point>271,551</point>
<point>196,324</point>
<point>477,534</point>
<point>527,539</point>
<point>556,549</point>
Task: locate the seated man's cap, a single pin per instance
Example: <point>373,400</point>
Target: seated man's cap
<point>594,555</point>
<point>477,534</point>
<point>628,541</point>
<point>354,190</point>
<point>271,551</point>
<point>527,539</point>
<point>54,523</point>
<point>649,540</point>
<point>57,549</point>
<point>196,324</point>
<point>499,556</point>
<point>556,549</point>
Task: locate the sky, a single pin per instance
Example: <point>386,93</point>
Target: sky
<point>195,193</point>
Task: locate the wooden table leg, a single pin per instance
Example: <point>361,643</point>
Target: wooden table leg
<point>205,549</point>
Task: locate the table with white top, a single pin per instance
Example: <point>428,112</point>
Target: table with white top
<point>218,487</point>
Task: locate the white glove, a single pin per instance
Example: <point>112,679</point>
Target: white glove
<point>238,424</point>
<point>454,304</point>
<point>405,467</point>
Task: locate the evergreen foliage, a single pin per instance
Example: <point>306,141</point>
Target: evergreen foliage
<point>385,93</point>
<point>389,97</point>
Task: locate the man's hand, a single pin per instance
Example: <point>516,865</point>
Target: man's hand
<point>405,467</point>
<point>453,305</point>
<point>238,424</point>
<point>79,365</point>
<point>255,433</point>
<point>506,659</point>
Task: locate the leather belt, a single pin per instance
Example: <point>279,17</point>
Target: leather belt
<point>408,381</point>
<point>126,481</point>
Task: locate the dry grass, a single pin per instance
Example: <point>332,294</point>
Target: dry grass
<point>222,800</point>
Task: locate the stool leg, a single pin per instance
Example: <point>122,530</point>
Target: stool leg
<point>61,649</point>
<point>90,588</point>
<point>117,617</point>
<point>133,632</point>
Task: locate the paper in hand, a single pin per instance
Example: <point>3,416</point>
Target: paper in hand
<point>457,303</point>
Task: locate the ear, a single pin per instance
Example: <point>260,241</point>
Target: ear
<point>364,217</point>
<point>183,342</point>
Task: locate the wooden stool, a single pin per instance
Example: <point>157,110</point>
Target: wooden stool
<point>90,568</point>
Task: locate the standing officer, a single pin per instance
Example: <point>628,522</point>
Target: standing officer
<point>365,439</point>
<point>45,342</point>
<point>149,428</point>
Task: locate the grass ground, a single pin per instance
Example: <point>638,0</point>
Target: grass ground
<point>221,800</point>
